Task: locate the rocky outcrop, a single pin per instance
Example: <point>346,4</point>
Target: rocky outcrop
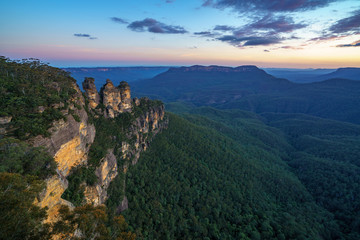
<point>126,102</point>
<point>139,136</point>
<point>91,92</point>
<point>116,99</point>
<point>4,122</point>
<point>69,143</point>
<point>105,173</point>
<point>145,127</point>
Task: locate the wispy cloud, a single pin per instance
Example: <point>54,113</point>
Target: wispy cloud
<point>154,26</point>
<point>354,44</point>
<point>243,41</point>
<point>267,30</point>
<point>267,5</point>
<point>224,28</point>
<point>342,28</point>
<point>276,23</point>
<point>206,34</point>
<point>349,25</point>
<point>84,35</point>
<point>119,20</point>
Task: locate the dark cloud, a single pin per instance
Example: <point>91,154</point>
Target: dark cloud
<point>267,30</point>
<point>349,25</point>
<point>82,35</point>
<point>224,28</point>
<point>354,44</point>
<point>267,5</point>
<point>208,3</point>
<point>154,26</point>
<point>250,40</point>
<point>276,23</point>
<point>265,41</point>
<point>206,34</point>
<point>119,20</point>
<point>342,28</point>
<point>170,1</point>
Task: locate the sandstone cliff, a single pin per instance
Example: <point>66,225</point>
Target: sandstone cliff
<point>91,92</point>
<point>71,140</point>
<point>69,143</point>
<point>148,119</point>
<point>115,99</point>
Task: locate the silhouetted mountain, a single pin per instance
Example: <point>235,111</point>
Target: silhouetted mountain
<point>116,74</point>
<point>298,75</point>
<point>209,85</point>
<point>250,88</point>
<point>347,73</point>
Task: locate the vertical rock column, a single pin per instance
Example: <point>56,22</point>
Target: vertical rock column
<point>111,99</point>
<point>91,92</point>
<point>126,101</point>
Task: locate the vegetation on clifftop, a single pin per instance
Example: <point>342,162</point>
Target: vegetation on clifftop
<point>33,94</point>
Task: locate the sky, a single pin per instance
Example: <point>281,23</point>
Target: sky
<point>266,33</point>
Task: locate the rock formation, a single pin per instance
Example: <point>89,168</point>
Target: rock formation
<point>70,141</point>
<point>91,92</point>
<point>116,100</point>
<point>139,136</point>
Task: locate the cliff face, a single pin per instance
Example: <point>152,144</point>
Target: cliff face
<point>69,143</point>
<point>105,173</point>
<point>138,137</point>
<point>71,140</point>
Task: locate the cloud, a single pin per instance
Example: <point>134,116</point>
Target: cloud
<point>206,34</point>
<point>224,28</point>
<point>266,30</point>
<point>354,44</point>
<point>265,41</point>
<point>154,26</point>
<point>170,1</point>
<point>276,23</point>
<point>250,40</point>
<point>267,5</point>
<point>349,25</point>
<point>119,20</point>
<point>82,35</point>
<point>342,28</point>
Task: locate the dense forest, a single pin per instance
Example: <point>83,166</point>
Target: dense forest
<point>227,164</point>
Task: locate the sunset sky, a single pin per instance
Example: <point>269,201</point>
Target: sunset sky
<point>266,33</point>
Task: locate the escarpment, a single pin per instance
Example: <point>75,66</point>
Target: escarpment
<point>103,135</point>
<point>69,144</point>
<point>139,119</point>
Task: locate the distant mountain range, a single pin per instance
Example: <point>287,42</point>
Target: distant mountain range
<point>116,74</point>
<point>250,88</point>
<point>314,75</point>
<point>347,73</point>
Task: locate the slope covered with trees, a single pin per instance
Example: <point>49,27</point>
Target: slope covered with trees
<point>198,183</point>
